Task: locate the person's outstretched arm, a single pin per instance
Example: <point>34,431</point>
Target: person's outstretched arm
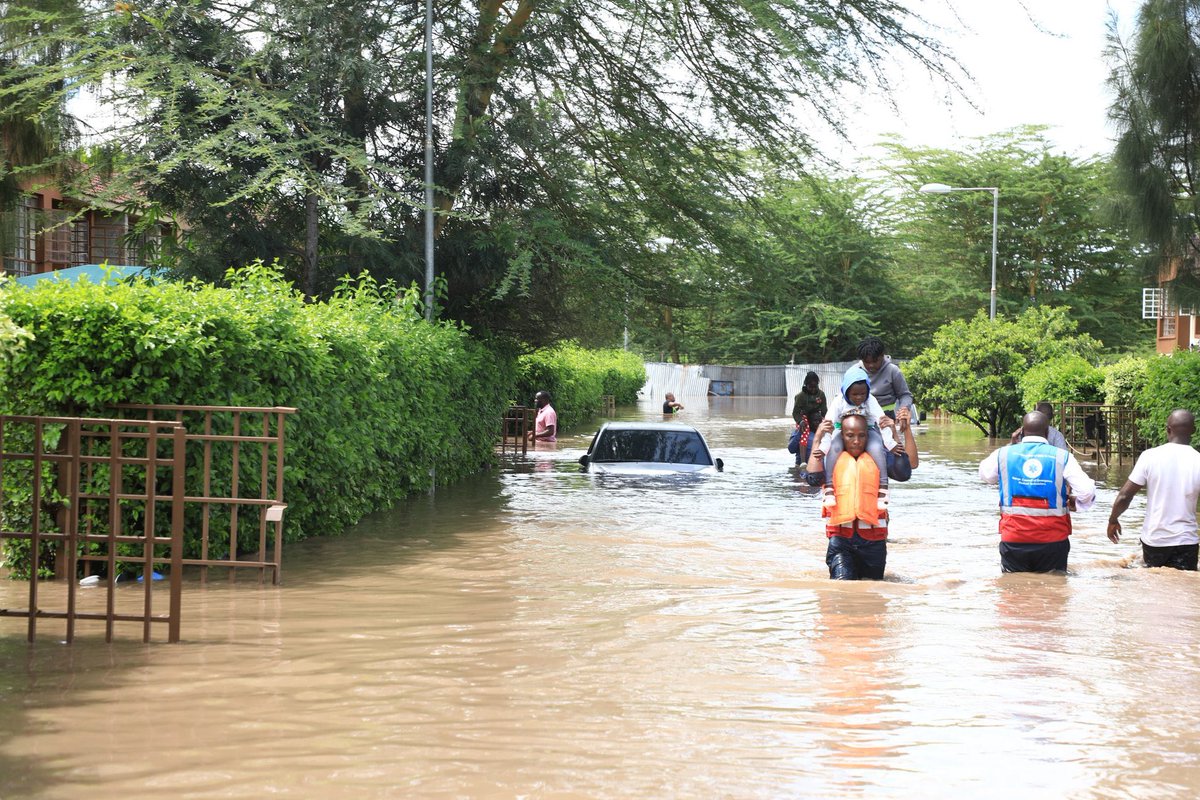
<point>1120,505</point>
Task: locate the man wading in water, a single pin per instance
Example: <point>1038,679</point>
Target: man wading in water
<point>857,526</point>
<point>1035,519</point>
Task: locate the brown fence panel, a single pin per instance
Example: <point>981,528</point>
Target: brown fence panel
<point>515,428</point>
<point>235,485</point>
<point>88,493</point>
<point>1096,430</point>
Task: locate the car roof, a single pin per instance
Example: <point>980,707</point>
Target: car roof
<point>648,426</point>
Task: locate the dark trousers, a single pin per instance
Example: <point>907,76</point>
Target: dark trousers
<point>1034,557</point>
<point>1180,556</point>
<point>856,558</point>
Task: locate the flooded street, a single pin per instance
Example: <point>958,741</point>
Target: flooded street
<point>540,632</point>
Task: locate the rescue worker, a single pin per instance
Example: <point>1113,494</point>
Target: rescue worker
<point>856,526</point>
<point>1035,504</point>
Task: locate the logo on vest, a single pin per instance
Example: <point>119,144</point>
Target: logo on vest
<point>1032,468</point>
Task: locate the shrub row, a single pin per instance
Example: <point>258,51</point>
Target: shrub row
<point>1170,383</point>
<point>577,379</point>
<point>1153,386</point>
<point>388,404</point>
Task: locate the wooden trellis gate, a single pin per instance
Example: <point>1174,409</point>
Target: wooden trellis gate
<point>109,499</point>
<point>70,489</point>
<point>235,491</point>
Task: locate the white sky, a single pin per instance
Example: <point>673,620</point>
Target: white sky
<point>1048,69</point>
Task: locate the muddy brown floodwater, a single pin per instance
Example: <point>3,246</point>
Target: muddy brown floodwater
<point>538,632</point>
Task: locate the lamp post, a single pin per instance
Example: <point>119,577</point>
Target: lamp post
<point>941,188</point>
<point>429,160</point>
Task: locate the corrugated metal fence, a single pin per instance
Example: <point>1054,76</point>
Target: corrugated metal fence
<point>783,380</point>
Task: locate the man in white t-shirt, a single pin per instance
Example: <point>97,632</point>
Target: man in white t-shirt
<point>1171,475</point>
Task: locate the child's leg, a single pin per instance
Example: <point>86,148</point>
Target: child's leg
<point>832,451</point>
<point>878,454</point>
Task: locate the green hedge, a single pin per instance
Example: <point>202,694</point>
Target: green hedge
<point>1171,382</point>
<point>1124,380</point>
<point>577,379</point>
<point>384,398</point>
<point>1066,379</point>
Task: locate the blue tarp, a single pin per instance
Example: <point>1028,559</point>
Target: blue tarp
<point>96,273</point>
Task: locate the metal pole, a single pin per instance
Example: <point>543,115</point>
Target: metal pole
<point>995,220</point>
<point>429,160</point>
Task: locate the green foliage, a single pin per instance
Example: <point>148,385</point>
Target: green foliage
<point>817,277</point>
<point>570,134</point>
<point>1124,380</point>
<point>1057,242</point>
<point>974,368</point>
<point>576,379</point>
<point>1171,382</point>
<point>1155,80</point>
<point>1066,379</point>
<point>386,401</point>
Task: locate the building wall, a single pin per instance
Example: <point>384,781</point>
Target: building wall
<point>1177,332</point>
<point>52,232</point>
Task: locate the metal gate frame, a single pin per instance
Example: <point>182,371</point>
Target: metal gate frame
<point>75,461</point>
<point>515,427</point>
<point>270,441</point>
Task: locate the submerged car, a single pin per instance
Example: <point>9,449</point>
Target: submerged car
<point>649,448</point>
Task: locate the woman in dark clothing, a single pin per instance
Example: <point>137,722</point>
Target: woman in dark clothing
<point>808,409</point>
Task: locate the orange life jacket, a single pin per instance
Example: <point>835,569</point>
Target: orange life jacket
<point>856,490</point>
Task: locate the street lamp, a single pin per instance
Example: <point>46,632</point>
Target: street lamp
<point>941,188</point>
<point>428,160</point>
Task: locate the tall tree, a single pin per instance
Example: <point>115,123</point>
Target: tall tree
<point>974,367</point>
<point>1156,110</point>
<point>34,123</point>
<point>816,278</point>
<point>569,134</point>
<point>1057,243</point>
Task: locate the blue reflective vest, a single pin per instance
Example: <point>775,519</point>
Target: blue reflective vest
<point>1033,470</point>
<point>1033,492</point>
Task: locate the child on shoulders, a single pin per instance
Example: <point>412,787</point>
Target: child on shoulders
<point>856,399</point>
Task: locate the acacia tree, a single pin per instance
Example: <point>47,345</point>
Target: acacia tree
<point>815,279</point>
<point>1156,110</point>
<point>569,133</point>
<point>1058,242</point>
<point>974,367</point>
<point>34,124</point>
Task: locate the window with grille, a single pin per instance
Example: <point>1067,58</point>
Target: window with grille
<point>1167,324</point>
<point>107,235</point>
<point>81,241</point>
<point>21,259</point>
<point>57,238</point>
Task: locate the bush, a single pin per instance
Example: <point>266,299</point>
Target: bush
<point>1171,382</point>
<point>974,367</point>
<point>385,399</point>
<point>1066,379</point>
<point>1124,380</point>
<point>576,379</point>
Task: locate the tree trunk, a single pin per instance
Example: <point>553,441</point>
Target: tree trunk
<point>491,53</point>
<point>311,219</point>
<point>669,324</point>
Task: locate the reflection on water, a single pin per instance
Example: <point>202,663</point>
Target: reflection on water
<point>543,632</point>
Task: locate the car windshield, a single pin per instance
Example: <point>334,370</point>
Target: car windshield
<point>671,447</point>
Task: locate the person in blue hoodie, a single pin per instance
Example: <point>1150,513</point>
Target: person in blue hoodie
<point>855,398</point>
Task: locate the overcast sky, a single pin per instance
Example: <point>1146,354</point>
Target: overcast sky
<point>1041,66</point>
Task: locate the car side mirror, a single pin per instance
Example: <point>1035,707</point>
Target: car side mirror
<point>583,460</point>
<point>720,465</point>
